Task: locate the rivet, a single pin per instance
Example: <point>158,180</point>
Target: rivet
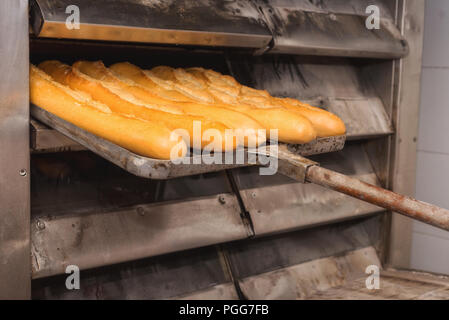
<point>23,172</point>
<point>40,225</point>
<point>222,199</point>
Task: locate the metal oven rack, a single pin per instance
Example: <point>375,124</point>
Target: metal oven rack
<point>161,169</point>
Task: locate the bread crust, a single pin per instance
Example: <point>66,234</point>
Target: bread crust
<point>292,127</point>
<point>227,90</point>
<point>147,138</point>
<point>325,123</point>
<point>168,97</point>
<point>121,101</point>
<point>179,98</point>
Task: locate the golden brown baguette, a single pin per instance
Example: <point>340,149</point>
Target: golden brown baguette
<point>170,97</point>
<point>56,69</point>
<point>182,82</point>
<point>292,127</point>
<point>122,102</point>
<point>134,73</point>
<point>97,70</point>
<point>227,90</point>
<point>325,123</point>
<point>150,139</point>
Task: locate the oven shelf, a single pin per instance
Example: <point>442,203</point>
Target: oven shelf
<point>161,169</point>
<point>302,27</point>
<point>206,23</point>
<point>44,139</point>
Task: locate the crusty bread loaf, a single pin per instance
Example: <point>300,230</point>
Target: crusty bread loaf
<point>180,119</point>
<point>122,102</point>
<point>56,69</point>
<point>292,126</point>
<point>325,123</point>
<point>168,96</point>
<point>134,73</point>
<point>98,71</point>
<point>176,98</point>
<point>228,90</point>
<point>147,138</point>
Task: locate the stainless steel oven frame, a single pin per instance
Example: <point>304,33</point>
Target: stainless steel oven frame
<point>397,83</point>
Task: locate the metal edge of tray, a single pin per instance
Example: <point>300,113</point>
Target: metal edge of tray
<point>162,169</point>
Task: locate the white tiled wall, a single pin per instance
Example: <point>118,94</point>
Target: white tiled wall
<point>430,246</point>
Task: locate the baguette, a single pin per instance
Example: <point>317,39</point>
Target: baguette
<point>134,73</point>
<point>165,94</point>
<point>292,127</point>
<point>150,139</point>
<point>325,123</point>
<point>227,90</point>
<point>97,70</point>
<point>122,102</point>
<point>179,80</point>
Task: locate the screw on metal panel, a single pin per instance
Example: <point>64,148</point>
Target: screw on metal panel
<point>40,225</point>
<point>141,211</point>
<point>23,172</point>
<point>333,16</point>
<point>253,195</point>
<point>222,199</point>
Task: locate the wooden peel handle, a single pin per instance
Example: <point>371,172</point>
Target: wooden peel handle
<point>407,206</point>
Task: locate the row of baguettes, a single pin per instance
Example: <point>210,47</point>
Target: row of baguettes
<point>148,139</point>
<point>139,109</point>
<point>291,117</point>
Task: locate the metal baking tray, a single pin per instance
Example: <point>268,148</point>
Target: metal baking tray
<point>162,169</point>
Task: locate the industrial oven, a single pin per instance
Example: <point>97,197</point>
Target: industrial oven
<point>215,232</point>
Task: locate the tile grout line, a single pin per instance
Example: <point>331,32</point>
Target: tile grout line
<point>433,152</point>
<point>430,235</point>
